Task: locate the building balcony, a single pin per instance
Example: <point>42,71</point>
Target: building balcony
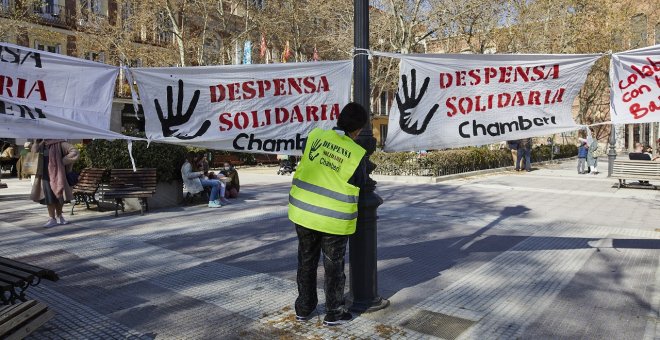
<point>44,13</point>
<point>54,15</point>
<point>155,39</point>
<point>90,18</point>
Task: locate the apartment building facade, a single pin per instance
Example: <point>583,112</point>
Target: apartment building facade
<point>106,30</point>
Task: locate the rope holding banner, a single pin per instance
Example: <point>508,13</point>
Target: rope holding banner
<point>129,79</point>
<point>130,154</point>
<point>362,51</point>
<point>598,124</point>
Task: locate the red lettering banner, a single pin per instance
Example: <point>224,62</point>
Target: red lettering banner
<point>247,108</point>
<point>448,101</point>
<point>48,95</point>
<point>635,86</point>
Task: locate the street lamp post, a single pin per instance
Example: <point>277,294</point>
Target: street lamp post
<point>611,154</point>
<point>363,295</point>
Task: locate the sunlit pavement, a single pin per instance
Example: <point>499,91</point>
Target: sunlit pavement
<point>544,254</point>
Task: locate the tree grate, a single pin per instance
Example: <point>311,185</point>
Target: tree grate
<point>437,324</point>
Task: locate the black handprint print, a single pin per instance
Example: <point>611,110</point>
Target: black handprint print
<point>315,146</point>
<point>406,121</point>
<point>171,124</point>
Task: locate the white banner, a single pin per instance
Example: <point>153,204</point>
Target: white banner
<point>635,86</point>
<point>448,101</point>
<point>245,108</point>
<point>47,95</point>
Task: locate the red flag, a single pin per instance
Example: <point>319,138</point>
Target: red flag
<point>287,52</point>
<point>262,47</point>
<point>315,56</point>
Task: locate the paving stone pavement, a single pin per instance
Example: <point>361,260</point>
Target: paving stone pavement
<point>546,254</point>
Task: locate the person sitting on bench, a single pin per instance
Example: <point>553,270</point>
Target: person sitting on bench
<point>639,155</point>
<point>8,157</point>
<point>195,182</point>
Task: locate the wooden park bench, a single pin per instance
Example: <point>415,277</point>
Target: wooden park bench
<point>9,164</point>
<point>16,277</point>
<point>125,183</point>
<point>263,159</point>
<point>88,185</point>
<point>219,160</point>
<point>19,320</point>
<point>624,169</point>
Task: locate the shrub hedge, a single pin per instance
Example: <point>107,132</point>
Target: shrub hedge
<point>166,158</point>
<point>447,162</point>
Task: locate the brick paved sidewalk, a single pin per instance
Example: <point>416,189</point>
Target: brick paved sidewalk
<point>546,254</point>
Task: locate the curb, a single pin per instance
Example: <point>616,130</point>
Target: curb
<point>438,179</point>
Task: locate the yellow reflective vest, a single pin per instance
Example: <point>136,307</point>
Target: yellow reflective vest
<point>320,196</point>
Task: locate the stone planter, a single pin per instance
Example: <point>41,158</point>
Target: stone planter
<point>167,195</point>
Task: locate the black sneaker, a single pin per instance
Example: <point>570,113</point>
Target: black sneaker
<point>335,320</point>
<point>303,318</point>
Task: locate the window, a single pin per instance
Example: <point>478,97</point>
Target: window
<point>135,63</point>
<point>99,7</point>
<point>95,56</point>
<point>238,53</point>
<point>41,46</point>
<point>51,7</point>
<point>383,103</point>
<point>164,30</point>
<point>127,11</point>
<point>638,28</point>
<point>212,49</point>
<point>258,3</point>
<point>383,134</point>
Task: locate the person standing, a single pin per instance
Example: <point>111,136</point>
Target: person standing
<point>524,151</point>
<point>323,205</point>
<point>592,157</point>
<point>582,155</point>
<point>513,146</point>
<point>23,153</point>
<point>51,188</point>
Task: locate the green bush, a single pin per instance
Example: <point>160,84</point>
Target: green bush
<point>541,153</point>
<point>447,162</point>
<point>166,158</point>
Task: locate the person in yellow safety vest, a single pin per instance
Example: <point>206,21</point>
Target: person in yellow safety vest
<point>323,204</point>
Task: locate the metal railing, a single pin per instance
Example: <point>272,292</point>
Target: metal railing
<point>424,166</point>
<point>161,39</point>
<point>51,13</point>
<point>89,17</point>
<point>418,167</point>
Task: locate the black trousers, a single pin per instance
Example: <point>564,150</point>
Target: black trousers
<point>310,245</point>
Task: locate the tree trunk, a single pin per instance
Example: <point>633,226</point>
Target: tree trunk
<point>177,33</point>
